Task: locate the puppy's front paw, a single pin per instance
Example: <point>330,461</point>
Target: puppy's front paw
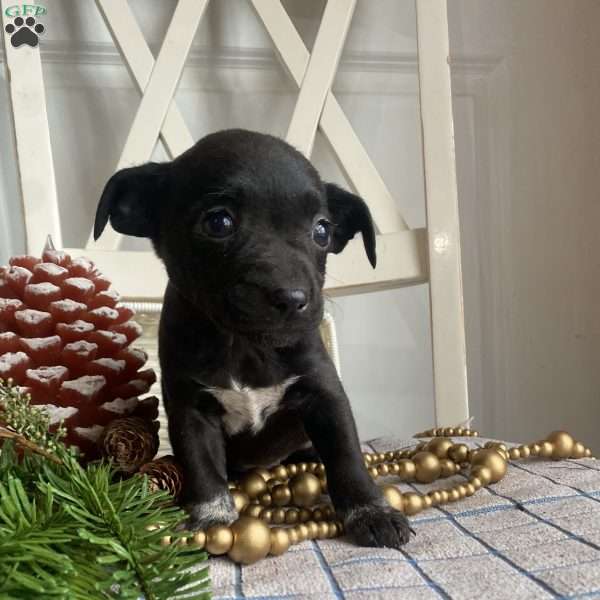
<point>379,526</point>
<point>202,515</point>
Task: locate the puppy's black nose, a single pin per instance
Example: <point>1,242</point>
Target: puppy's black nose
<point>289,301</point>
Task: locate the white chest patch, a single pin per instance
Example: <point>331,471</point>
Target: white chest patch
<point>249,408</point>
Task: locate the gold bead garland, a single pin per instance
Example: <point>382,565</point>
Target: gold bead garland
<point>288,496</point>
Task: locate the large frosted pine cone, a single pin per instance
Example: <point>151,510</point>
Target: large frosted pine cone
<point>67,340</point>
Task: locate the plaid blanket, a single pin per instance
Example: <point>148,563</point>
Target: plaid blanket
<point>535,534</point>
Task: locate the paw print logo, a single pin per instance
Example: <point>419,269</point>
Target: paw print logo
<point>24,31</point>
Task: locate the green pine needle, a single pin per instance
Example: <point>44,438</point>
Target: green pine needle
<point>78,533</point>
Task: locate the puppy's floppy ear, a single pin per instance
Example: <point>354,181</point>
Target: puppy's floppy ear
<point>130,200</point>
<point>350,215</point>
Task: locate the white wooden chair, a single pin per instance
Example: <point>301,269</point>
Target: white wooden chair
<point>405,256</point>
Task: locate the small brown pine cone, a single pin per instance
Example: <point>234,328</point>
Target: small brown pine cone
<point>164,473</point>
<point>130,442</point>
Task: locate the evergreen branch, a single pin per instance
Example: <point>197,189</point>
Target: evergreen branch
<point>25,443</point>
<point>28,425</point>
<point>73,532</point>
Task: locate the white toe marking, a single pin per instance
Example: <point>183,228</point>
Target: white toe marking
<point>219,510</point>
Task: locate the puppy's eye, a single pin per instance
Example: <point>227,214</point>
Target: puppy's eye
<point>218,223</point>
<point>321,233</point>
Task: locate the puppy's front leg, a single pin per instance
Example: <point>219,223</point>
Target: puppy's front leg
<point>199,446</point>
<point>367,517</point>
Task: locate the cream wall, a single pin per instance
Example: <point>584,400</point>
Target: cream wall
<point>531,224</point>
<point>525,87</point>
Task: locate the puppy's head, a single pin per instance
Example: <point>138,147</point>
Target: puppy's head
<point>243,224</point>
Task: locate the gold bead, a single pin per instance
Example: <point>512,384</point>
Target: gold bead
<point>407,469</point>
<point>383,470</point>
<point>588,453</point>
<point>534,449</point>
<point>447,467</point>
<point>462,490</point>
<point>278,516</point>
<point>320,470</point>
<point>443,496</point>
<point>317,514</point>
<point>266,514</point>
<point>578,450</point>
<point>374,472</point>
<point>304,515</point>
<point>459,432</point>
<point>492,459</point>
<point>291,470</point>
<point>427,503</point>
<point>474,433</point>
<point>313,529</point>
<point>562,444</point>
<point>333,530</point>
<point>219,539</point>
<point>448,431</point>
<point>312,467</point>
<point>381,457</point>
<point>428,467</point>
<point>302,467</point>
<point>302,531</point>
<point>291,516</point>
<point>514,454</point>
<point>265,499</point>
<point>293,535</point>
<point>524,451</point>
<point>440,446</point>
<point>453,495</point>
<point>368,458</point>
<point>280,541</point>
<point>253,485</point>
<point>470,489</point>
<point>182,541</point>
<point>322,530</point>
<point>476,483</point>
<point>264,473</point>
<point>458,453</point>
<point>499,447</point>
<point>546,449</point>
<point>251,540</point>
<point>273,483</point>
<point>412,503</point>
<point>281,495</point>
<point>165,541</point>
<point>394,469</point>
<point>240,500</point>
<point>253,510</point>
<point>199,539</point>
<point>483,473</point>
<point>435,496</point>
<point>393,496</point>
<point>305,489</point>
<point>279,472</point>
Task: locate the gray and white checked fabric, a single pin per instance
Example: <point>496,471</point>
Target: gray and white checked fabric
<point>535,534</point>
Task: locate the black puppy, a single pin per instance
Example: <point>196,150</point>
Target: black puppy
<point>243,224</point>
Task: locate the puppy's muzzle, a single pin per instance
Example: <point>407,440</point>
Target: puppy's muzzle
<point>288,302</point>
<point>277,305</point>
